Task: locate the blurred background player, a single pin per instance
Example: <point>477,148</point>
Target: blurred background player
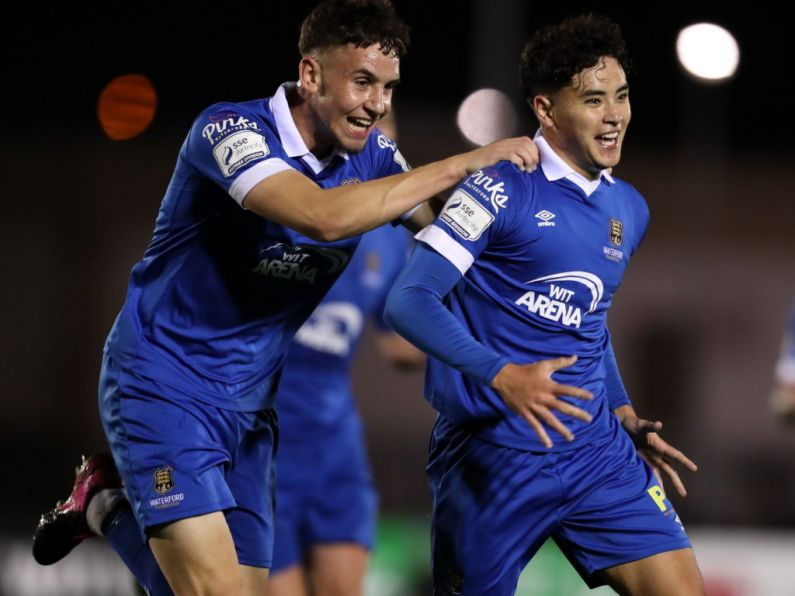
<point>782,398</point>
<point>509,291</point>
<point>262,214</point>
<point>326,504</point>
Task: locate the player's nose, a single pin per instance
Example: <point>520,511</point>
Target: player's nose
<point>377,103</point>
<point>615,115</point>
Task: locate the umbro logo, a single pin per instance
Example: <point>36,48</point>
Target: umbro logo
<point>545,218</point>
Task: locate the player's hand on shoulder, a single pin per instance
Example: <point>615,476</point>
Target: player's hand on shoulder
<point>530,391</point>
<point>522,151</point>
<point>660,455</point>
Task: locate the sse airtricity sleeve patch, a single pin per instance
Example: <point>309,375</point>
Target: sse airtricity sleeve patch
<point>234,148</point>
<point>465,216</point>
<point>479,211</point>
<point>238,149</point>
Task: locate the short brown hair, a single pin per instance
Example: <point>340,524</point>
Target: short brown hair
<point>360,22</point>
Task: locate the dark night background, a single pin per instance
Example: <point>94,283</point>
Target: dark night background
<point>697,324</point>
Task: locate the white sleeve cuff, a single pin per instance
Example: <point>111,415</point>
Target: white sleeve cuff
<point>255,174</point>
<point>459,256</point>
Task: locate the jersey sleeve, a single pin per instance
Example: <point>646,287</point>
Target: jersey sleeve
<point>386,160</point>
<point>234,149</point>
<point>482,210</point>
<point>617,395</point>
<point>640,210</point>
<point>416,311</point>
<point>393,251</point>
<point>385,157</point>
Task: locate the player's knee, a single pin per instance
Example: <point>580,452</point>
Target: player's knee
<point>187,575</point>
<point>338,569</point>
<point>340,589</point>
<point>338,584</point>
<point>672,573</point>
<point>212,585</point>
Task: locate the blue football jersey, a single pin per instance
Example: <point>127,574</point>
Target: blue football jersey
<point>314,392</point>
<point>541,262</point>
<point>220,291</point>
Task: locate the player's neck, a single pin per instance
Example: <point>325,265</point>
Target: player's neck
<point>309,126</point>
<point>572,163</point>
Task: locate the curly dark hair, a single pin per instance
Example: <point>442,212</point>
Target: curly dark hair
<point>556,53</point>
<point>360,22</point>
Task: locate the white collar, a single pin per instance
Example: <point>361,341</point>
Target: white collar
<point>291,139</point>
<point>555,168</point>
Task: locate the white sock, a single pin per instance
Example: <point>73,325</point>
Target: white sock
<point>100,505</point>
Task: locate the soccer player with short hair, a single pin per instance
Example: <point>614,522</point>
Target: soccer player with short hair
<point>509,291</point>
<point>262,214</point>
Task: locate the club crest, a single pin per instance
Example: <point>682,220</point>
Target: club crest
<point>616,231</point>
<point>164,480</point>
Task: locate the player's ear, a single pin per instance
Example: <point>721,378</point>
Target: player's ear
<point>309,74</point>
<point>542,107</point>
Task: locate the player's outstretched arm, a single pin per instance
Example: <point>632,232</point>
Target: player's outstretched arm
<point>293,200</point>
<point>650,445</point>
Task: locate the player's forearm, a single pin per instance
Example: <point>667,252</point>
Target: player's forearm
<point>330,214</point>
<point>414,309</point>
<point>616,392</point>
<point>353,209</point>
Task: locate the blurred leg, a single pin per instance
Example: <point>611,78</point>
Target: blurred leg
<point>338,569</point>
<point>290,581</point>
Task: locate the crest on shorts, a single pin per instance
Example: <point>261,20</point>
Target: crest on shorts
<point>164,480</point>
<point>616,231</point>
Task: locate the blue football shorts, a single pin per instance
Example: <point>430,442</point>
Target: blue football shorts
<point>493,508</point>
<point>324,493</point>
<point>181,459</point>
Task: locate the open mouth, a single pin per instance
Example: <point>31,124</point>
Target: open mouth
<point>608,140</point>
<point>360,123</point>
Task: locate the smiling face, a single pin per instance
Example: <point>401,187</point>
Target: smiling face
<point>347,89</point>
<point>586,121</point>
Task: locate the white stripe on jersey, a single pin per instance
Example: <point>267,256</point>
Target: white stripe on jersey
<point>255,174</point>
<point>451,250</point>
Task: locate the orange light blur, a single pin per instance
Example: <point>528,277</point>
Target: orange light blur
<point>127,106</point>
